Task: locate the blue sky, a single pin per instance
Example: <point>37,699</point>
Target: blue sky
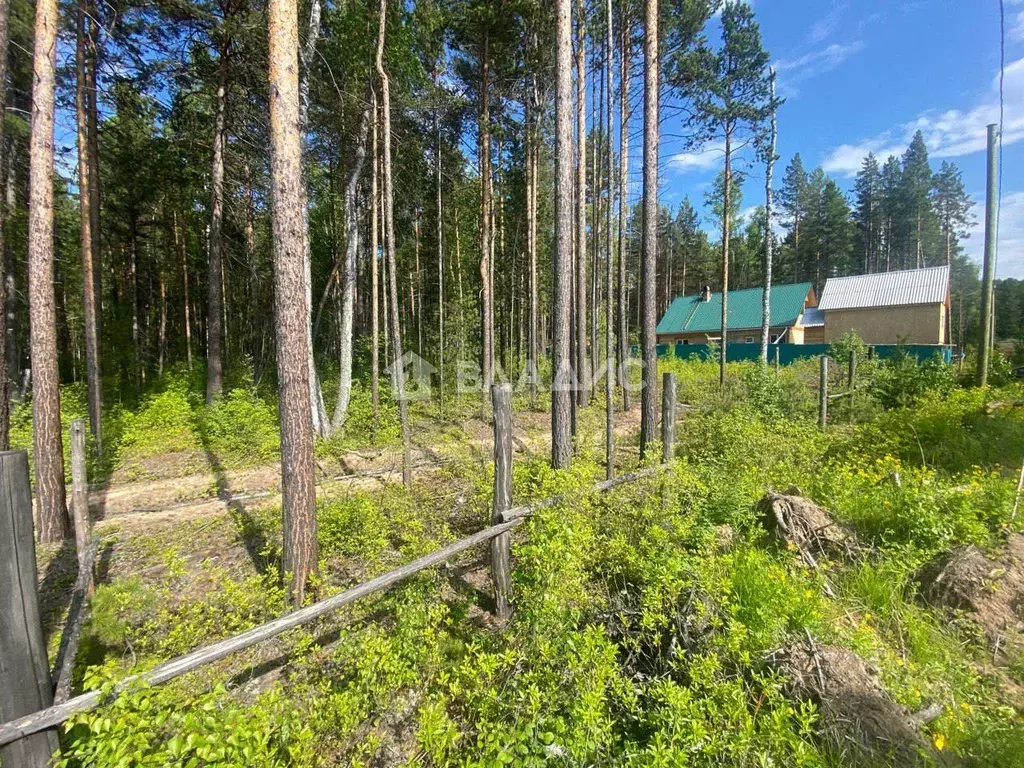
<point>864,75</point>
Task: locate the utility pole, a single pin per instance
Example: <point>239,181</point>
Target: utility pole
<point>988,271</point>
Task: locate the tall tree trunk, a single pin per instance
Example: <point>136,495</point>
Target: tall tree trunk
<point>726,234</point>
<point>348,290</point>
<point>440,254</point>
<point>85,172</point>
<point>580,314</point>
<point>533,356</point>
<point>623,245</point>
<point>389,224</point>
<point>6,299</point>
<point>214,291</point>
<point>561,394</point>
<point>318,411</point>
<point>609,314</point>
<point>649,246</point>
<point>162,339</point>
<point>486,235</point>
<point>297,465</point>
<point>92,94</point>
<point>374,272</point>
<point>183,254</point>
<point>769,240</point>
<point>52,512</point>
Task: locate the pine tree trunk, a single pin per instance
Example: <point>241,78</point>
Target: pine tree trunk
<point>561,394</point>
<point>580,314</point>
<point>183,255</point>
<point>649,254</point>
<point>769,241</point>
<point>92,94</point>
<point>53,522</point>
<point>85,171</point>
<point>609,315</point>
<point>726,234</point>
<point>374,272</point>
<point>318,411</point>
<point>297,465</point>
<point>440,255</point>
<point>6,299</point>
<point>532,354</point>
<point>389,224</point>
<point>623,245</point>
<point>486,235</point>
<point>214,278</point>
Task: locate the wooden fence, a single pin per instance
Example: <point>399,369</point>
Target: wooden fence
<point>28,735</point>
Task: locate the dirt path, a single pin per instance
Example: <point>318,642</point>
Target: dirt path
<point>215,492</point>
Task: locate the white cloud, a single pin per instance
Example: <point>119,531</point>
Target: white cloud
<point>1017,27</point>
<point>709,156</point>
<point>1011,235</point>
<point>949,133</point>
<point>824,27</point>
<point>800,68</point>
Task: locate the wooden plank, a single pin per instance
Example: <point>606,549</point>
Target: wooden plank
<point>25,684</point>
<point>57,714</point>
<point>501,569</point>
<point>668,417</point>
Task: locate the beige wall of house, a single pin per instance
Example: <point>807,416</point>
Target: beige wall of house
<point>920,324</point>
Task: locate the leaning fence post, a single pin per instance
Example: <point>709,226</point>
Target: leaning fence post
<point>668,417</point>
<point>501,576</point>
<point>25,685</point>
<point>79,488</point>
<point>823,393</point>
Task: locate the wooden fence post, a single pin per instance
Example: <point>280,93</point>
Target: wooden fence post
<point>501,575</point>
<point>776,358</point>
<point>668,417</point>
<point>823,393</point>
<point>853,385</point>
<point>25,685</point>
<point>79,488</point>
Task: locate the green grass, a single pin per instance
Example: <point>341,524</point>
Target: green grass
<point>636,639</point>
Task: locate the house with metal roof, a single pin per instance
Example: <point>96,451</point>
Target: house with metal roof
<point>697,319</point>
<point>910,306</point>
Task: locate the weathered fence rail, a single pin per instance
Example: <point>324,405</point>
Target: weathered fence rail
<point>33,722</point>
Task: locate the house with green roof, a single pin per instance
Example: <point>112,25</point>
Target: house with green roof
<point>697,319</point>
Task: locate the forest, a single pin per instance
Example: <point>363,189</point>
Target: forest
<point>279,257</point>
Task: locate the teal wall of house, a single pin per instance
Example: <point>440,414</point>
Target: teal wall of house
<point>790,352</point>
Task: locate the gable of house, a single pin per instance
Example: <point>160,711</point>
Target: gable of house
<point>907,287</point>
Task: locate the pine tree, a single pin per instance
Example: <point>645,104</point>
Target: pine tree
<point>915,189</point>
<point>649,242</point>
<point>297,463</point>
<point>867,212</point>
<point>561,446</point>
<point>793,204</point>
<point>731,96</point>
<point>52,513</point>
<point>687,225</point>
<point>890,180</point>
<point>953,208</point>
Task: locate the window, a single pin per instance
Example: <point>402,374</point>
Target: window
<point>686,341</point>
<point>748,340</point>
